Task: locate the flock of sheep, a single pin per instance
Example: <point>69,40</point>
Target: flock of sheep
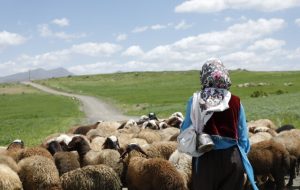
<point>138,155</point>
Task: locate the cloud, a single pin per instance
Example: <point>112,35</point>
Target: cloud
<point>156,27</point>
<point>10,39</point>
<point>121,37</point>
<point>61,22</point>
<point>133,51</point>
<point>96,49</point>
<point>297,22</point>
<point>203,6</point>
<point>182,25</point>
<point>267,44</point>
<point>140,29</point>
<point>45,31</point>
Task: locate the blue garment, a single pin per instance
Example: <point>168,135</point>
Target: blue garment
<point>225,142</point>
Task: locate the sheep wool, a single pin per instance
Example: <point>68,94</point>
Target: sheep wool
<point>92,178</point>
<point>39,173</point>
<point>9,179</point>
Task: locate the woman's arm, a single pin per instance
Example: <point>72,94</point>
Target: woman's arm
<point>187,120</point>
<point>243,139</point>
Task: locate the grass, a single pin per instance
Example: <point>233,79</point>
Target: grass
<point>31,115</point>
<point>139,93</point>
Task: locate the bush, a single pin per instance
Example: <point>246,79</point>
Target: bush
<point>259,93</point>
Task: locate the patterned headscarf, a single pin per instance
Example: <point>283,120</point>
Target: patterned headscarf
<point>215,83</point>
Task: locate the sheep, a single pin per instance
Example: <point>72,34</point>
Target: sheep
<point>111,143</point>
<point>178,114</point>
<point>82,130</point>
<point>291,140</point>
<point>13,149</point>
<point>128,124</point>
<point>285,128</point>
<point>64,161</point>
<point>151,124</point>
<point>39,173</point>
<point>10,162</point>
<point>258,137</point>
<point>149,135</point>
<point>9,179</point>
<point>104,129</point>
<point>183,164</point>
<point>111,158</point>
<point>91,177</point>
<point>174,121</point>
<point>167,133</point>
<point>270,157</point>
<point>82,146</point>
<point>162,149</point>
<point>32,151</point>
<point>97,142</point>
<point>261,122</point>
<point>154,173</point>
<point>62,138</point>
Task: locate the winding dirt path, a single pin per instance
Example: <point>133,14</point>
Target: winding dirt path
<point>94,108</point>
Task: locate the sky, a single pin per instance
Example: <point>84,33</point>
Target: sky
<point>91,37</point>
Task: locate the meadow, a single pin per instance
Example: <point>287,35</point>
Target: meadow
<point>272,95</point>
<point>31,115</point>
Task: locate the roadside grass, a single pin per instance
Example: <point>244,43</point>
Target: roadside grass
<point>138,93</point>
<point>31,115</point>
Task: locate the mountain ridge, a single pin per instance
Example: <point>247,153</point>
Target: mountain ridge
<point>36,74</point>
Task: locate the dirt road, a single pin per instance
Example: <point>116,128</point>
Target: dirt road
<point>94,109</point>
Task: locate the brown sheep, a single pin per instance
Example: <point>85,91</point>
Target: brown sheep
<point>83,130</point>
<point>270,157</point>
<point>64,161</point>
<point>154,173</point>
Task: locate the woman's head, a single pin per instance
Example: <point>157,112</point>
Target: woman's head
<point>214,75</point>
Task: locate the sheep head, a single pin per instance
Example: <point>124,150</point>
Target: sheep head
<point>111,142</point>
<point>131,147</point>
<point>54,147</point>
<point>80,144</point>
<point>16,144</point>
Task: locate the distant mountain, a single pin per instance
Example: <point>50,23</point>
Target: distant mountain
<point>36,75</point>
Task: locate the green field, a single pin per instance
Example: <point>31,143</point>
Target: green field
<point>139,93</point>
<point>30,115</point>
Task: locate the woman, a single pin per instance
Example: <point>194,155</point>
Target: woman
<point>216,112</point>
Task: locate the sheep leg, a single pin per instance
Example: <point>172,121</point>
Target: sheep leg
<point>292,170</point>
<point>279,179</point>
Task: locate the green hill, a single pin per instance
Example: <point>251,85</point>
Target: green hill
<point>273,95</point>
<point>31,115</point>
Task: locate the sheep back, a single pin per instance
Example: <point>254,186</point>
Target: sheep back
<point>155,173</point>
<point>39,173</point>
<point>91,177</point>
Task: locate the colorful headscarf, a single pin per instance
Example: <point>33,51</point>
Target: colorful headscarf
<point>215,83</point>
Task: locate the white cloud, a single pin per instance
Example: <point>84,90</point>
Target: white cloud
<point>133,51</point>
<point>10,39</point>
<point>140,29</point>
<point>121,37</point>
<point>61,22</point>
<point>297,22</point>
<point>267,44</point>
<point>204,6</point>
<point>45,31</point>
<point>182,25</point>
<point>96,49</point>
<point>158,27</point>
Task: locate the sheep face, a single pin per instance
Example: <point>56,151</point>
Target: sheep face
<point>76,143</point>
<point>111,142</point>
<point>54,147</point>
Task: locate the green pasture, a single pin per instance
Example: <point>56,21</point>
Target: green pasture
<point>138,93</point>
<point>30,115</point>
